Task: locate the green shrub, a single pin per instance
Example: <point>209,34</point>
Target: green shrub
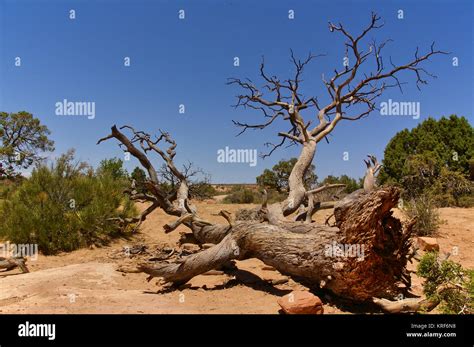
<point>466,201</point>
<point>113,167</point>
<point>351,184</point>
<point>445,186</point>
<point>273,196</point>
<point>202,190</point>
<point>450,187</point>
<point>241,195</point>
<point>8,186</point>
<point>138,178</point>
<point>457,297</point>
<point>64,207</point>
<point>423,209</point>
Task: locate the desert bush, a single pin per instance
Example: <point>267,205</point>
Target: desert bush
<point>252,214</point>
<point>113,167</point>
<point>64,206</point>
<point>446,187</point>
<point>434,158</point>
<point>273,196</point>
<point>466,201</point>
<point>351,183</point>
<point>8,186</point>
<point>277,178</point>
<point>241,195</point>
<point>450,187</point>
<point>458,296</point>
<point>424,210</point>
<point>447,142</point>
<point>138,178</point>
<point>202,190</point>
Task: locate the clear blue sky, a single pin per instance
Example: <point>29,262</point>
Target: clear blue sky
<point>188,61</point>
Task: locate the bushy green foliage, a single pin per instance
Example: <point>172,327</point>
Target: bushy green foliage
<point>444,186</point>
<point>138,178</point>
<point>273,196</point>
<point>423,209</point>
<point>22,139</point>
<point>432,159</point>
<point>113,167</point>
<point>202,190</point>
<point>277,177</point>
<point>241,195</point>
<point>351,183</point>
<point>427,186</point>
<point>138,174</point>
<point>8,186</point>
<point>466,201</point>
<point>471,169</point>
<point>64,206</point>
<point>447,142</point>
<point>457,283</point>
<point>451,188</point>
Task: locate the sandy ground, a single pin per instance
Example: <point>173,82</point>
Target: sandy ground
<point>86,280</point>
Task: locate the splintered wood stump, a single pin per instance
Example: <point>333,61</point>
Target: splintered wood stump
<point>363,256</point>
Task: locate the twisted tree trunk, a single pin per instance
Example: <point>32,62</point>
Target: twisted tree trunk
<point>316,254</point>
<point>297,190</point>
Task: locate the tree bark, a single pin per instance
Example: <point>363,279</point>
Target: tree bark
<point>11,263</point>
<point>307,251</point>
<point>297,190</point>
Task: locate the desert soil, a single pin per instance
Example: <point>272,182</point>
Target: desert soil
<point>87,280</point>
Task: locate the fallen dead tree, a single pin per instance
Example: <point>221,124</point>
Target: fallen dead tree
<point>363,256</point>
<point>11,263</point>
<point>315,254</point>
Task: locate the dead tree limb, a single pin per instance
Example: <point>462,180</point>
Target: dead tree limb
<point>175,203</point>
<point>313,205</point>
<point>373,167</point>
<point>13,262</point>
<point>414,305</point>
<point>352,96</point>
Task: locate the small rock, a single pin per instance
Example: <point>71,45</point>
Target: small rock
<point>301,302</point>
<point>207,245</point>
<point>428,244</point>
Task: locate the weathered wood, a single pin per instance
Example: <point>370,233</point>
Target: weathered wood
<point>414,305</point>
<point>409,305</point>
<point>301,250</point>
<point>11,263</point>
